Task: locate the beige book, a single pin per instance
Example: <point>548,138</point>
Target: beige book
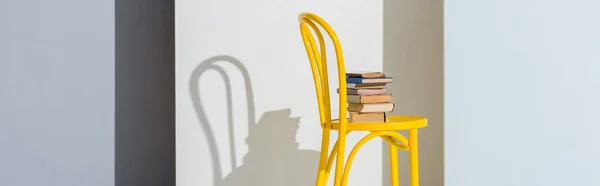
<point>366,117</point>
<point>365,74</point>
<point>371,107</point>
<point>366,86</point>
<point>378,98</point>
<point>356,91</point>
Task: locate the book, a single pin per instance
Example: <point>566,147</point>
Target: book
<point>368,80</point>
<point>365,74</point>
<point>366,86</point>
<point>356,91</point>
<point>366,117</point>
<point>371,107</point>
<point>378,98</point>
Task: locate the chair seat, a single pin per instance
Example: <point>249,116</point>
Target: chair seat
<point>392,123</point>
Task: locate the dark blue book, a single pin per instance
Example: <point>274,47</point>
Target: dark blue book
<point>357,80</point>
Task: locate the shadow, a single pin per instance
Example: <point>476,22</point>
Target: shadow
<point>413,55</point>
<point>273,157</point>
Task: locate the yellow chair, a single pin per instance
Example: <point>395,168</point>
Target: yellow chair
<point>385,130</point>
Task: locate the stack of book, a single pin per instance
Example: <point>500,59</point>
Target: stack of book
<point>368,97</point>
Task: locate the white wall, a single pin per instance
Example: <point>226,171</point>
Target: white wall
<point>522,83</point>
<point>263,37</point>
<point>413,55</point>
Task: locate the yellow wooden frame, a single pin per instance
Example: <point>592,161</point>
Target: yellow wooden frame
<point>386,130</point>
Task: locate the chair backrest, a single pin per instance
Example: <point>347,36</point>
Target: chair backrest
<point>318,62</point>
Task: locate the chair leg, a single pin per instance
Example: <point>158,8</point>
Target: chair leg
<point>321,180</point>
<point>394,165</point>
<point>339,163</point>
<point>414,156</point>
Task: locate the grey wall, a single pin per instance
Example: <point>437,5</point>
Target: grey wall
<point>413,55</point>
<point>57,93</point>
<point>522,92</point>
<point>81,105</point>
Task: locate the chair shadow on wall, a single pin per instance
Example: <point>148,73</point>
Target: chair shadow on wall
<point>273,157</point>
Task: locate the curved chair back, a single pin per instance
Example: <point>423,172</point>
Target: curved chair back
<point>318,62</point>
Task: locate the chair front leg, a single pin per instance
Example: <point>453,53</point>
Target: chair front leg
<point>413,144</point>
<point>394,165</point>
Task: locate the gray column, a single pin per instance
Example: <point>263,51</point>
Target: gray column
<point>145,93</point>
<point>413,54</point>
